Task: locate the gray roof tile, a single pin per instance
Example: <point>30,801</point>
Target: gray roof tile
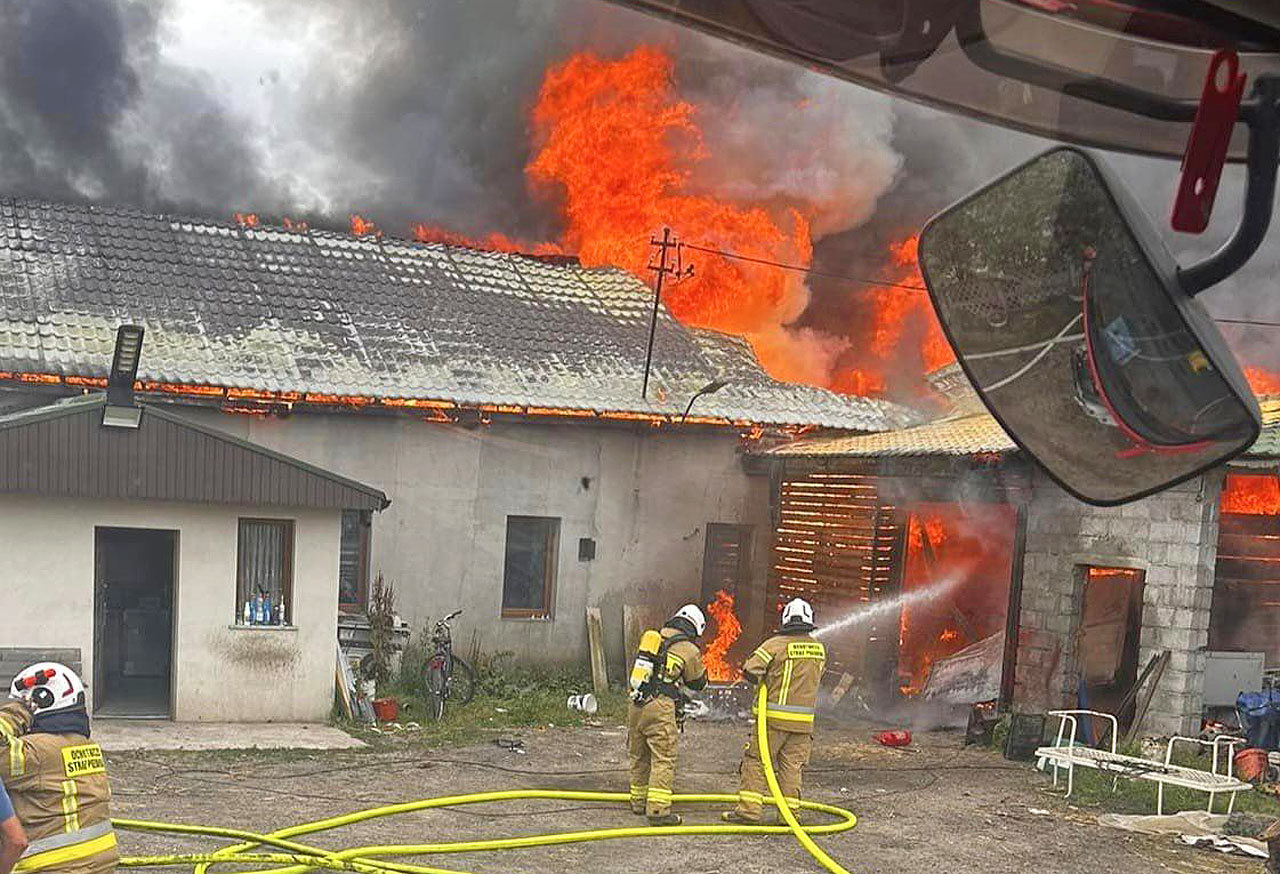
<point>272,310</point>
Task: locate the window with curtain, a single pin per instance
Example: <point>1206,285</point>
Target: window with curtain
<point>529,571</point>
<point>353,559</point>
<point>264,577</point>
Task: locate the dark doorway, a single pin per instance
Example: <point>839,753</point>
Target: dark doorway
<point>726,569</point>
<point>1109,636</point>
<point>726,560</point>
<point>133,622</point>
<point>956,586</point>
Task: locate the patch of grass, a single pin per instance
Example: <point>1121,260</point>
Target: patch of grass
<point>1093,789</point>
<point>507,697</point>
<point>228,757</point>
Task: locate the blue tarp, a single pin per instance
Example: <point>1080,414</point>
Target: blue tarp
<point>1260,715</point>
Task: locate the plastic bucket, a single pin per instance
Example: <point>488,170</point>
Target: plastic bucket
<point>1251,764</point>
<point>584,704</point>
<point>386,709</point>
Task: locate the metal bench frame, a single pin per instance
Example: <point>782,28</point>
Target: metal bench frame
<point>1213,782</point>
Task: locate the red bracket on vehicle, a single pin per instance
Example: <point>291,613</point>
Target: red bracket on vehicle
<point>1206,152</point>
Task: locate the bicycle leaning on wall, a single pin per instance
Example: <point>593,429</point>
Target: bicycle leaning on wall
<point>448,677</point>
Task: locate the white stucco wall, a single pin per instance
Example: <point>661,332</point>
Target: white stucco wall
<point>645,495</point>
<point>220,673</point>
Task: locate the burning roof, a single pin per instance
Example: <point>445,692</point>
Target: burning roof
<point>234,308</point>
<point>972,434</point>
<point>970,430</point>
<point>959,435</point>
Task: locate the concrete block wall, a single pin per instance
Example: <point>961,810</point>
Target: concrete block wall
<point>1173,537</point>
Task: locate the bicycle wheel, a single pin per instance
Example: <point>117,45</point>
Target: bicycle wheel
<point>462,682</point>
<point>437,686</point>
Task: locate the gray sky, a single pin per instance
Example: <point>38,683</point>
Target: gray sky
<point>409,110</point>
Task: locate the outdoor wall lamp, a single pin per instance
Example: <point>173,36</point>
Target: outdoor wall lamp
<point>709,389</point>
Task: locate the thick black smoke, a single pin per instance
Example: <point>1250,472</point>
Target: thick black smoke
<point>67,79</point>
<point>89,111</point>
<point>407,111</point>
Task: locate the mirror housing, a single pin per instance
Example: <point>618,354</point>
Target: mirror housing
<point>1067,315</point>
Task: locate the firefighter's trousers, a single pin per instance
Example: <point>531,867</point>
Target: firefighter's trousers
<point>651,743</point>
<point>789,751</point>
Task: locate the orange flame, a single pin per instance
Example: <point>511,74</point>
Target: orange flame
<point>1251,495</point>
<point>360,226</point>
<point>1097,573</point>
<point>856,381</point>
<point>897,308</point>
<point>933,527</point>
<point>494,242</point>
<point>245,219</point>
<point>616,147</point>
<point>728,628</point>
<point>1263,382</point>
<point>974,548</point>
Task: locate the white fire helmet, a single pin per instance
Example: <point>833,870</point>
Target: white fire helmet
<point>49,686</point>
<point>797,612</point>
<point>693,614</point>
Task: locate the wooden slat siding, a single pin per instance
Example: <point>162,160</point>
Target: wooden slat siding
<point>1237,523</point>
<point>72,455</point>
<point>833,546</point>
<point>1245,615</point>
<point>15,658</point>
<point>1244,546</point>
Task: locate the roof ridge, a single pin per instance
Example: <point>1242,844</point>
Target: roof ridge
<point>321,232</point>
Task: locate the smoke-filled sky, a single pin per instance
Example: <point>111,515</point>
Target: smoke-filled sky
<point>413,110</point>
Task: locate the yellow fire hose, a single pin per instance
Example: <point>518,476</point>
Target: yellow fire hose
<point>290,857</point>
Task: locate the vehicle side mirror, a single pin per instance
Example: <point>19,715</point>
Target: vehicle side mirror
<point>1065,311</point>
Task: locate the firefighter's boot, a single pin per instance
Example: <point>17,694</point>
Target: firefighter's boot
<point>667,818</point>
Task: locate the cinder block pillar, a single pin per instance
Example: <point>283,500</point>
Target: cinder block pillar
<point>1173,538</point>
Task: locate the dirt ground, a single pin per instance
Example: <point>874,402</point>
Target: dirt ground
<point>935,809</point>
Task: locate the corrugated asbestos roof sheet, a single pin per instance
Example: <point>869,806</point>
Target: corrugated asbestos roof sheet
<point>63,449</point>
<point>1268,445</point>
<point>971,435</point>
<point>963,435</point>
<point>327,313</point>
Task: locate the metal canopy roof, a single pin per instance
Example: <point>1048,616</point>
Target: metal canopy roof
<point>972,434</point>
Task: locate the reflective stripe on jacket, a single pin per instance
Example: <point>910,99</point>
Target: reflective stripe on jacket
<point>791,667</point>
<point>59,789</point>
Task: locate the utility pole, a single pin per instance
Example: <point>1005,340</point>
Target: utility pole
<point>662,268</point>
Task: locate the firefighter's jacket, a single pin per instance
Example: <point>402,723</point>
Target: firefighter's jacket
<point>58,785</point>
<point>682,666</point>
<point>791,667</point>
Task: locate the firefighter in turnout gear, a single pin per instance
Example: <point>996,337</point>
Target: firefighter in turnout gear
<point>667,660</point>
<point>790,664</point>
<point>55,776</point>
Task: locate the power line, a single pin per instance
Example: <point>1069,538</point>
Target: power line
<point>799,268</point>
<point>1259,323</point>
